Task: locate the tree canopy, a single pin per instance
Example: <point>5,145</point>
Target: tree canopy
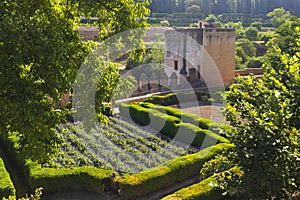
<point>40,53</point>
<point>265,116</point>
<point>217,7</point>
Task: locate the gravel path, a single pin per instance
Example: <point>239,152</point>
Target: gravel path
<point>213,112</point>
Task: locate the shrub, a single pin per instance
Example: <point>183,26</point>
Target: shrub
<point>254,62</point>
<point>251,33</point>
<point>170,173</point>
<point>257,25</point>
<point>75,178</point>
<point>6,186</point>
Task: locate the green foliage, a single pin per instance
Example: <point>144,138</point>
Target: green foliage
<point>254,62</point>
<point>265,115</point>
<point>187,117</point>
<point>36,69</point>
<point>116,16</point>
<point>279,16</point>
<point>251,33</point>
<point>240,57</point>
<point>211,18</point>
<point>170,173</point>
<point>257,25</point>
<point>204,190</point>
<point>266,37</point>
<point>287,36</point>
<point>247,46</point>
<point>164,23</point>
<point>235,25</point>
<point>6,186</point>
<point>40,65</point>
<point>174,121</point>
<point>36,196</point>
<point>76,178</point>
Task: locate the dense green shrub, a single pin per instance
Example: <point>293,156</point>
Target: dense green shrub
<point>168,174</point>
<point>6,186</point>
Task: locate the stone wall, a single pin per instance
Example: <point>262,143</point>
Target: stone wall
<point>205,54</point>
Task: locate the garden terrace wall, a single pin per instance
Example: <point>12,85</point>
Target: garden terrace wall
<point>168,174</point>
<point>6,186</point>
<point>171,125</point>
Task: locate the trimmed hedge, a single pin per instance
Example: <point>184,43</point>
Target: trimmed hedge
<point>168,174</point>
<point>52,179</point>
<point>203,190</point>
<point>188,117</point>
<point>75,178</point>
<point>6,186</point>
<point>174,98</point>
<point>171,125</point>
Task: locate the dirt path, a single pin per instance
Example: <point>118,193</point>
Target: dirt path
<point>205,110</point>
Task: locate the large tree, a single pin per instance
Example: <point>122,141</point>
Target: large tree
<point>265,116</point>
<point>40,53</point>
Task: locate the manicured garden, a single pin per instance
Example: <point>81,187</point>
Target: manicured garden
<point>122,157</point>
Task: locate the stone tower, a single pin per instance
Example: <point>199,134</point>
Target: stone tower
<point>204,54</point>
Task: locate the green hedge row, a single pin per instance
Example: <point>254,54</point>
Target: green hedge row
<point>188,117</point>
<point>6,186</point>
<point>174,98</point>
<point>206,189</point>
<point>52,179</point>
<point>170,125</point>
<point>168,174</point>
<point>75,178</point>
<point>203,190</point>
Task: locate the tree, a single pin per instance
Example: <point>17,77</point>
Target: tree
<point>286,36</point>
<point>251,33</point>
<point>164,23</point>
<point>265,116</point>
<point>265,136</point>
<point>279,15</point>
<point>257,25</point>
<point>40,56</point>
<point>241,56</point>
<point>254,62</point>
<point>211,18</point>
<point>247,46</point>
